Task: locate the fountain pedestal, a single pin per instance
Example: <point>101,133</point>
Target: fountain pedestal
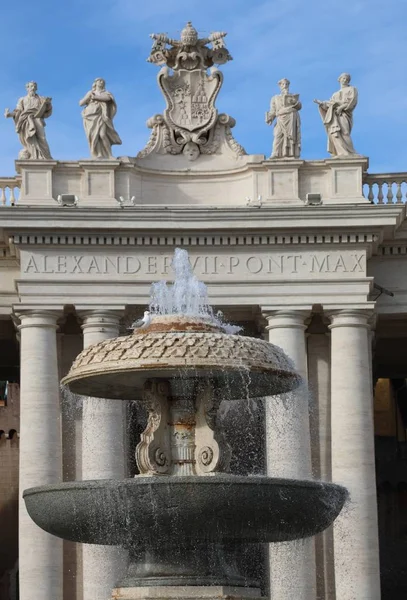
<point>175,592</point>
<point>180,437</point>
<point>188,563</point>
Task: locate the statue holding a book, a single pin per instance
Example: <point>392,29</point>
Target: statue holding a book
<point>29,118</point>
<point>284,109</point>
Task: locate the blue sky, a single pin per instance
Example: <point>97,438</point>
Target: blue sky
<point>65,45</point>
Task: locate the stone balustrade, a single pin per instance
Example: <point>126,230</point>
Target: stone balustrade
<point>9,190</point>
<point>253,182</point>
<point>385,188</point>
<point>378,188</point>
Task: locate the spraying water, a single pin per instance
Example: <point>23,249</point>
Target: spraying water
<point>187,296</point>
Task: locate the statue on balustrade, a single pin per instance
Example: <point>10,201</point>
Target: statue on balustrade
<point>284,109</point>
<point>29,118</point>
<point>337,116</point>
<point>100,109</point>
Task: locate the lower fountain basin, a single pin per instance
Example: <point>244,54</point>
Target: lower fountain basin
<point>137,512</point>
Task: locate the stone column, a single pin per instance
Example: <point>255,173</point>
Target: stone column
<point>103,427</point>
<point>319,378</point>
<point>356,548</point>
<point>70,345</point>
<point>292,564</point>
<point>40,554</point>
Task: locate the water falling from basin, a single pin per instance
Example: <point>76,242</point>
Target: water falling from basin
<point>184,519</point>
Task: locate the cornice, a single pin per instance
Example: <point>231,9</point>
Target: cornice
<point>170,217</point>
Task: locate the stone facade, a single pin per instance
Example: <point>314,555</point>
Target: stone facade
<point>276,263</point>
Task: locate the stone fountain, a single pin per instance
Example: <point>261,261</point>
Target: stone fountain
<point>184,518</point>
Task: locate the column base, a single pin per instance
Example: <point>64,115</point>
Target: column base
<point>216,592</point>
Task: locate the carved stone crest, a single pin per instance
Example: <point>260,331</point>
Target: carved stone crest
<point>190,123</point>
<point>190,99</point>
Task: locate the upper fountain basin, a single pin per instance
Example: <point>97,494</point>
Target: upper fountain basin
<point>186,347</point>
<point>142,510</point>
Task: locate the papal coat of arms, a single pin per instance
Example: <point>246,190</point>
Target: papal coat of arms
<point>190,83</point>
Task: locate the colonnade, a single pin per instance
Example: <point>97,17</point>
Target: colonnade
<point>40,554</point>
<point>103,457</point>
<point>355,553</point>
<point>288,445</point>
<point>345,431</point>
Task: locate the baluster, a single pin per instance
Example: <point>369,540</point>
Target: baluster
<point>390,192</point>
<point>12,196</point>
<point>399,194</point>
<point>370,195</point>
<point>380,195</point>
<point>3,195</point>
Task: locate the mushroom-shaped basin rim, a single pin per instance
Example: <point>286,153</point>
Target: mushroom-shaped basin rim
<point>118,368</point>
<point>142,511</point>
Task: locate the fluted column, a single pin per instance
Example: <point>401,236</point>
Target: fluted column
<point>103,426</point>
<point>40,554</point>
<point>292,564</point>
<point>356,548</point>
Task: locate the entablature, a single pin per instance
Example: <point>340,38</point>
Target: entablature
<point>287,255</point>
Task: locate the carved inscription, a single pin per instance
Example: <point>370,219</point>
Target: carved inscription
<point>239,266</point>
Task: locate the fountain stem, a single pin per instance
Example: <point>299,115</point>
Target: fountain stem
<point>182,434</point>
<point>181,437</point>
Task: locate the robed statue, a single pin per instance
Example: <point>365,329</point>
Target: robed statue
<point>29,118</point>
<point>337,116</point>
<point>100,109</point>
<point>284,109</point>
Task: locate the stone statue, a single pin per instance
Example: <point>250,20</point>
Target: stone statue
<point>337,116</point>
<point>29,118</point>
<point>284,109</point>
<point>190,124</point>
<point>100,108</point>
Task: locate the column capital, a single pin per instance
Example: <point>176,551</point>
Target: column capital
<point>99,316</point>
<point>38,318</point>
<point>99,324</point>
<point>288,318</point>
<point>350,317</point>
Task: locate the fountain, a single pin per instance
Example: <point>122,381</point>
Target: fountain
<point>184,519</point>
